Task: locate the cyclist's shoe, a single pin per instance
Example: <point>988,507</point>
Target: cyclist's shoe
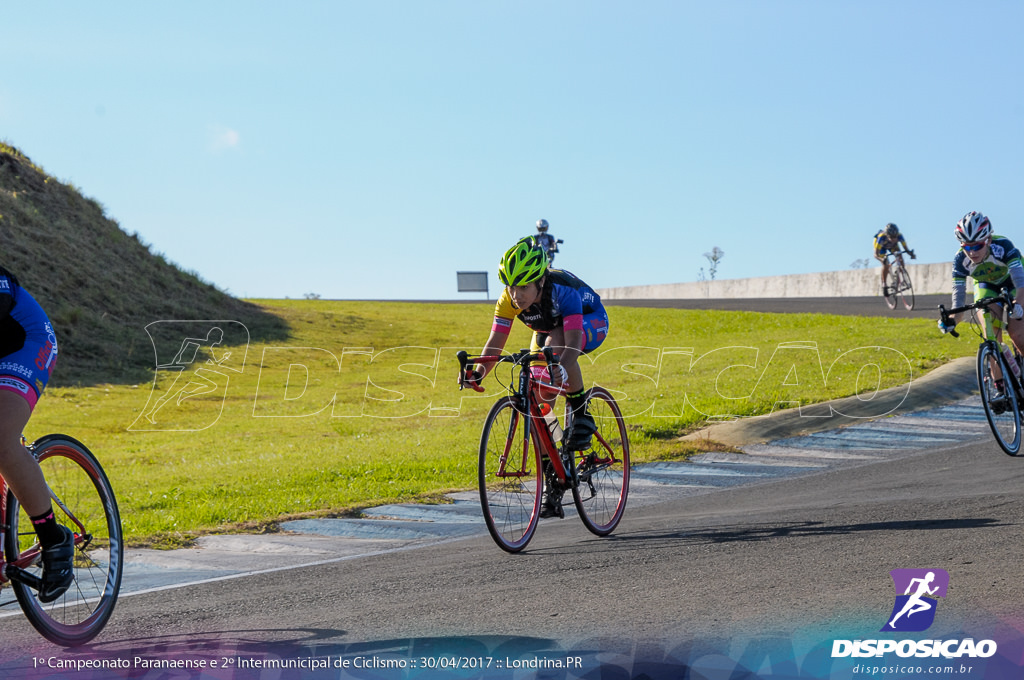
<point>999,402</point>
<point>58,567</point>
<point>551,506</point>
<point>583,429</point>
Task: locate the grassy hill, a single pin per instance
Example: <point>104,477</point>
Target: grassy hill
<point>99,285</point>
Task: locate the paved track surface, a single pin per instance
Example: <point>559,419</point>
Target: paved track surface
<point>797,535</point>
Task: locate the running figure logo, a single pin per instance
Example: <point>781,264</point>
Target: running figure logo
<point>914,610</point>
<point>194,364</point>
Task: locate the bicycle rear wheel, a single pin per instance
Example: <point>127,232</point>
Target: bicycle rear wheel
<point>603,469</point>
<point>510,478</point>
<point>906,289</point>
<point>1001,409</point>
<point>84,502</point>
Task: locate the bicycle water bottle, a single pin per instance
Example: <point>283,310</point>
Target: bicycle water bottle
<point>554,427</point>
<point>1011,361</point>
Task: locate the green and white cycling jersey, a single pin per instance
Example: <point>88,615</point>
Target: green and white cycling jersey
<point>1001,270</point>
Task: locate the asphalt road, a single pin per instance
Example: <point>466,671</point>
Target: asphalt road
<point>701,576</point>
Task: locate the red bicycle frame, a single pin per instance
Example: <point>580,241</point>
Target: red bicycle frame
<point>532,393</point>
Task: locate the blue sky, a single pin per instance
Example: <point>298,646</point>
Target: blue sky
<point>372,149</point>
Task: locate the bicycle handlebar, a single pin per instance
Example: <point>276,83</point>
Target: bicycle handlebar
<point>523,356</point>
<point>984,303</point>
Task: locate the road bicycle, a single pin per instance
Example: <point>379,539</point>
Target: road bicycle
<point>897,281</point>
<point>523,456</point>
<point>999,365</point>
<point>83,501</point>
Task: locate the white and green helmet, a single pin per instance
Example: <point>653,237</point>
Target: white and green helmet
<point>523,263</point>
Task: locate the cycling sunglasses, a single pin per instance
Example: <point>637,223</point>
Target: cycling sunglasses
<point>971,247</point>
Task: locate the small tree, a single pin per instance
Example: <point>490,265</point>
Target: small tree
<point>862,263</point>
<point>714,257</point>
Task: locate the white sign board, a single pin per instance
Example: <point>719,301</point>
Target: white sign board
<point>472,282</point>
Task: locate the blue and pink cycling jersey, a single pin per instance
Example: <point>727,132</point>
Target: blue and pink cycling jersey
<point>566,302</point>
<point>28,345</point>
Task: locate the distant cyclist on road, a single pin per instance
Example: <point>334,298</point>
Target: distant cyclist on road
<point>889,240</point>
<point>565,314</point>
<point>546,240</point>
<point>28,353</point>
<point>995,265</point>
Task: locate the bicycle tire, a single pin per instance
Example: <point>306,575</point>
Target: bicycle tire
<point>82,489</point>
<point>510,491</point>
<point>906,288</point>
<point>890,286</point>
<point>1005,421</point>
<point>602,470</point>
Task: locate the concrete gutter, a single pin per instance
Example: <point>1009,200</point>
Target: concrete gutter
<point>946,384</point>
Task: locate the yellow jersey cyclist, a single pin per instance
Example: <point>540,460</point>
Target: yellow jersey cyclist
<point>888,240</point>
<point>563,312</point>
<point>995,265</point>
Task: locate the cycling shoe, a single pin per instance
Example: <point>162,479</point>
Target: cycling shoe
<point>58,567</point>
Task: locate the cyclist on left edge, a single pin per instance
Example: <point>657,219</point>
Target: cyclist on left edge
<point>887,241</point>
<point>565,314</point>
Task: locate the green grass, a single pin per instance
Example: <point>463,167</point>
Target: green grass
<point>390,424</point>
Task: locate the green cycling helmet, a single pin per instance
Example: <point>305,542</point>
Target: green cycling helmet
<point>523,263</point>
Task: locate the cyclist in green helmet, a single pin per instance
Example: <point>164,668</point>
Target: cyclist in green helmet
<point>563,312</point>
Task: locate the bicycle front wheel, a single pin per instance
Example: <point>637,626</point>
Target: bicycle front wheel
<point>510,478</point>
<point>891,283</point>
<point>603,469</point>
<point>1001,406</point>
<point>906,288</point>
<point>83,501</point>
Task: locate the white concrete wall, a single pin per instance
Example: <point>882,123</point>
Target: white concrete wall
<point>927,279</point>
